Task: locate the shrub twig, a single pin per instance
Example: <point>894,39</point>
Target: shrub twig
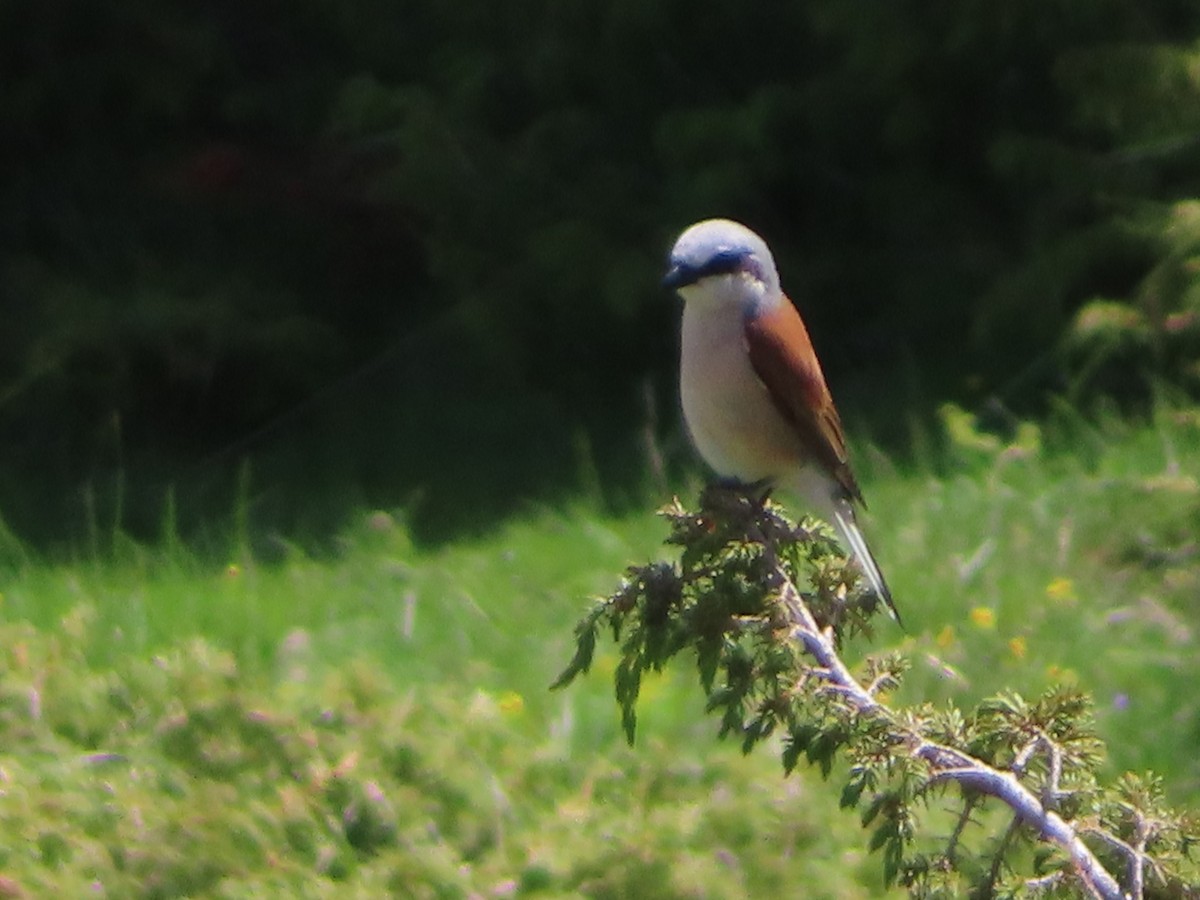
<point>769,657</point>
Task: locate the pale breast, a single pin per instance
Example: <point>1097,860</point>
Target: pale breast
<point>729,413</point>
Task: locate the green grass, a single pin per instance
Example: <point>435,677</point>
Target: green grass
<point>378,722</point>
<point>1079,562</point>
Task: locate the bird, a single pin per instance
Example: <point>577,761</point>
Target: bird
<point>754,398</point>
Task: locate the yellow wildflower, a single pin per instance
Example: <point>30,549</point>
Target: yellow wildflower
<point>1060,675</point>
<point>1061,590</point>
<point>511,703</point>
<point>983,617</point>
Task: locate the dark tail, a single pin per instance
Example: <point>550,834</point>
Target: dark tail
<point>843,517</point>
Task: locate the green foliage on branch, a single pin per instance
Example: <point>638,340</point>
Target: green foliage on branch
<point>1002,800</point>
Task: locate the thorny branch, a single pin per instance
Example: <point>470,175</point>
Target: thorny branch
<point>964,819</point>
<point>947,763</point>
<point>733,599</point>
<point>1135,855</point>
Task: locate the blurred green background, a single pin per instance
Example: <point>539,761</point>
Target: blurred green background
<point>335,376</point>
<point>307,257</point>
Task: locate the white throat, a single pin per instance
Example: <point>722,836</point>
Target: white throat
<point>740,291</point>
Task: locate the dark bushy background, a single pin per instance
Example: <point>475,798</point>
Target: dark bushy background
<point>408,253</point>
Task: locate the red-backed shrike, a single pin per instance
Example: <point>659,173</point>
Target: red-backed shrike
<point>754,397</point>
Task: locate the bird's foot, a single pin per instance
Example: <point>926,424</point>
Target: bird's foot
<point>737,501</point>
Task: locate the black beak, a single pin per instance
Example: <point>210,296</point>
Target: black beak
<point>679,276</point>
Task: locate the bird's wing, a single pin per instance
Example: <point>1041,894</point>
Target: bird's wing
<point>782,354</point>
